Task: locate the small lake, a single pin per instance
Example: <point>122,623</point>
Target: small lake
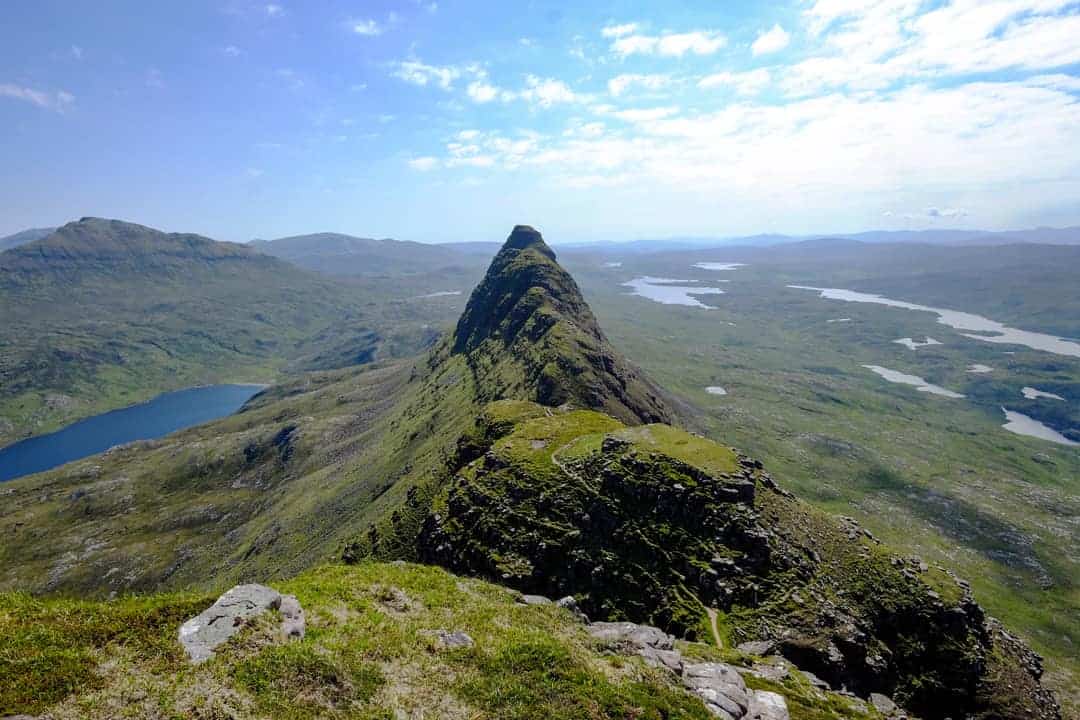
<point>718,266</point>
<point>914,344</point>
<point>895,376</point>
<point>152,419</point>
<point>995,332</point>
<point>1032,394</point>
<point>663,290</point>
<point>1021,424</point>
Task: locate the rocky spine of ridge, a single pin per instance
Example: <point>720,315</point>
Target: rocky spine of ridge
<point>528,333</point>
<point>569,504</point>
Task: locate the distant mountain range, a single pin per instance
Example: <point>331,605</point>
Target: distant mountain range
<point>340,254</point>
<point>337,254</point>
<point>1046,236</point>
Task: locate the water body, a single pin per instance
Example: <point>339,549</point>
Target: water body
<point>715,390</point>
<point>1032,394</point>
<point>1021,424</point>
<point>153,419</point>
<point>441,293</point>
<point>996,332</point>
<point>839,320</point>
<point>662,290</point>
<point>612,265</point>
<point>914,380</point>
<point>979,368</point>
<point>718,266</point>
<point>915,344</point>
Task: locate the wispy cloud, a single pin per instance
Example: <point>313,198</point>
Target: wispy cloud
<point>59,100</point>
<point>423,163</point>
<point>744,83</point>
<point>420,73</point>
<point>546,92</point>
<point>366,27</point>
<point>621,83</point>
<point>273,10</point>
<point>154,79</point>
<point>232,51</point>
<point>696,42</point>
<point>617,31</point>
<point>773,40</point>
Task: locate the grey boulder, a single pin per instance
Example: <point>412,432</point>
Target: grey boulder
<point>202,634</point>
<point>765,705</point>
<point>721,687</point>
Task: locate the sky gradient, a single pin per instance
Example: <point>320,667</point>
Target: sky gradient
<point>451,121</point>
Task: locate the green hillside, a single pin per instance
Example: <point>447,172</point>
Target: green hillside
<point>102,314</point>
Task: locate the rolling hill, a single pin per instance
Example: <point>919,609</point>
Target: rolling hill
<point>104,313</point>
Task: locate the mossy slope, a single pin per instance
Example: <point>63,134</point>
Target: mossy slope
<point>653,524</point>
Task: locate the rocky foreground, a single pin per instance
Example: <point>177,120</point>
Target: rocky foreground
<point>380,641</point>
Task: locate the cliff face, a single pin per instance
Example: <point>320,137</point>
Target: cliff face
<point>652,524</point>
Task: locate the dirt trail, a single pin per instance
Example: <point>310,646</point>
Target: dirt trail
<point>715,630</point>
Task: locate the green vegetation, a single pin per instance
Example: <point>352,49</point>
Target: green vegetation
<point>103,314</point>
<point>369,654</point>
<point>652,524</point>
<point>937,477</point>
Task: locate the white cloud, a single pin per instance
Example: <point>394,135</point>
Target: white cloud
<point>274,10</point>
<point>231,50</point>
<point>424,163</point>
<point>367,27</point>
<point>617,31</point>
<point>644,115</point>
<point>546,92</point>
<point>875,44</point>
<point>419,73</point>
<point>58,101</point>
<point>771,41</point>
<point>697,42</point>
<point>76,52</point>
<point>745,83</point>
<point>481,92</point>
<point>621,83</point>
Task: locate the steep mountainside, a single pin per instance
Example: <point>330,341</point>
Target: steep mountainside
<point>565,483</point>
<point>337,254</point>
<point>24,236</point>
<point>104,313</point>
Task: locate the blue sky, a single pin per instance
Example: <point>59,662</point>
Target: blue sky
<point>447,120</point>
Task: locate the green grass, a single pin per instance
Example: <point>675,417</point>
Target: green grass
<point>937,477</point>
<point>369,653</point>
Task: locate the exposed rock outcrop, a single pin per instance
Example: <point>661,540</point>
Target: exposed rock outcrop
<point>204,633</point>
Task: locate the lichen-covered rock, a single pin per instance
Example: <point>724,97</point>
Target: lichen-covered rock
<point>202,634</point>
<point>720,686</point>
<point>765,705</point>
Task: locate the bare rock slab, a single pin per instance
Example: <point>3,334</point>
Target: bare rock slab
<point>721,687</point>
<point>202,634</point>
<point>765,705</point>
<point>293,624</point>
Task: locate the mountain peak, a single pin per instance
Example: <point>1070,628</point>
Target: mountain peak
<point>523,237</point>
<point>528,333</point>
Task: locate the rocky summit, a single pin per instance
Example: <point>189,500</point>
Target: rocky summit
<point>527,332</point>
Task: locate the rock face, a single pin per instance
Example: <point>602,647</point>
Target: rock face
<point>293,625</point>
<point>202,634</point>
<point>652,525</point>
<point>527,332</point>
<point>719,685</point>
